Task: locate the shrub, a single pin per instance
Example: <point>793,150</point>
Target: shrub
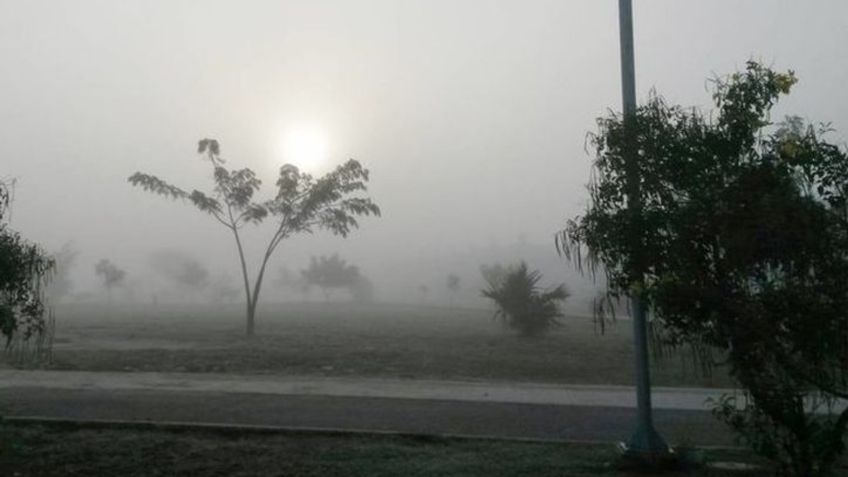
<point>521,303</point>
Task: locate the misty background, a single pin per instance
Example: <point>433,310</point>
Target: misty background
<point>471,115</point>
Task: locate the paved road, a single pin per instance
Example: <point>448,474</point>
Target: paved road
<point>598,413</point>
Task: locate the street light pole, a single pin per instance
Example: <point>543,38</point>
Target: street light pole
<point>646,444</point>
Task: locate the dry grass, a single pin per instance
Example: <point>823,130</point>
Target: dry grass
<point>342,339</point>
<point>52,450</point>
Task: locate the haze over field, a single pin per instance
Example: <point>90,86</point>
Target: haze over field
<point>471,116</point>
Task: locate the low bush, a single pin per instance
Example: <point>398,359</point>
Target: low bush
<point>521,303</point>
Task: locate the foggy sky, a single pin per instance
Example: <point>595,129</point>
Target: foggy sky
<point>471,115</point>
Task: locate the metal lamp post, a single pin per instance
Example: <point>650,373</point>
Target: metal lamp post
<point>646,444</point>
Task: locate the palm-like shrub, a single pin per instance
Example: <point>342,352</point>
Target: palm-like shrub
<point>521,303</point>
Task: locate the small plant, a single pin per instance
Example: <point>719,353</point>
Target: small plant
<point>521,303</point>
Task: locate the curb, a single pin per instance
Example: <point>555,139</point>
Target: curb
<point>11,373</point>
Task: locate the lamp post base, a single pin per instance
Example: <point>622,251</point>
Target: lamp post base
<point>648,451</point>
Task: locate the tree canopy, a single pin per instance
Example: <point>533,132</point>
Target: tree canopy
<point>330,272</point>
<point>743,238</point>
<point>111,275</point>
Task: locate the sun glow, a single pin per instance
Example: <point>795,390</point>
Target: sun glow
<point>306,148</point>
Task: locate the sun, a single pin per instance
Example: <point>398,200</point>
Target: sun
<point>306,147</point>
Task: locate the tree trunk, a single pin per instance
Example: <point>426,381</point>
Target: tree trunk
<point>253,298</point>
<point>251,313</point>
<point>251,308</point>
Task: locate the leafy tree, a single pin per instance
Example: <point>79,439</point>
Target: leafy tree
<point>24,272</point>
<point>329,273</point>
<point>111,275</point>
<point>302,204</point>
<point>743,233</point>
<point>521,303</point>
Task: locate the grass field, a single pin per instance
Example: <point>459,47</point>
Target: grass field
<point>33,450</point>
<point>343,339</point>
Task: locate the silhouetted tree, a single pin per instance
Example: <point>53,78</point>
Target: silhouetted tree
<point>743,234</point>
<point>110,274</point>
<point>302,204</point>
<point>521,303</point>
<point>329,273</point>
<point>24,271</point>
